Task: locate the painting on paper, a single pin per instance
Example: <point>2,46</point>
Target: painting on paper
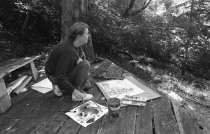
<point>118,88</point>
<point>87,113</point>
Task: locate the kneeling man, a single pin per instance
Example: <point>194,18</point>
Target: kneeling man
<point>66,66</point>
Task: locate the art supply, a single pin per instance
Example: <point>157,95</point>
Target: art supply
<point>129,86</point>
<point>114,106</point>
<point>43,86</point>
<point>87,113</point>
<point>130,102</point>
<point>118,88</point>
<point>135,98</point>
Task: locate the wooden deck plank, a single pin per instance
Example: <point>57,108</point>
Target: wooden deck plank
<point>124,124</point>
<point>53,124</point>
<point>144,117</point>
<point>144,120</point>
<point>18,111</point>
<point>16,98</point>
<point>42,113</point>
<point>178,117</point>
<point>188,122</point>
<point>164,118</point>
<point>5,101</point>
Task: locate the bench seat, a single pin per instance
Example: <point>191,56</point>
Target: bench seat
<point>6,68</point>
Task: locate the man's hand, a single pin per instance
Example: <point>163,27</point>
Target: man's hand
<point>79,61</point>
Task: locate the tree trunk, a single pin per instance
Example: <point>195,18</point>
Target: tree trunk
<point>88,50</point>
<point>74,11</point>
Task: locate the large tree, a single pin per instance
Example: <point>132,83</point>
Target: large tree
<point>74,11</point>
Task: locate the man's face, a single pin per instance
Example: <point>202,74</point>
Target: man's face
<point>84,37</point>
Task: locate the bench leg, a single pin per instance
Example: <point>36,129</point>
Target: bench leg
<point>5,101</point>
<point>34,71</point>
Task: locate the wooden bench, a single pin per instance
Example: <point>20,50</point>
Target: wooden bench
<point>6,68</point>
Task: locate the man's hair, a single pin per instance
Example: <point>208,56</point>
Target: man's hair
<point>77,29</point>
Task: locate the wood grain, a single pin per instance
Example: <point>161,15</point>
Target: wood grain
<point>20,110</point>
<point>14,64</point>
<point>5,101</point>
<point>144,120</point>
<point>164,118</point>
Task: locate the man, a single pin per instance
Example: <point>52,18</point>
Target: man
<point>66,66</point>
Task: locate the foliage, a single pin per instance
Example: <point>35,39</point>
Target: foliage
<point>187,35</point>
<point>110,28</point>
<point>27,25</point>
<point>176,32</point>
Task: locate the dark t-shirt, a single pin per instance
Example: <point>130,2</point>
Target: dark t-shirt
<point>63,58</point>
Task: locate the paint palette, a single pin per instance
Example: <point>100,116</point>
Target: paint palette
<point>87,113</point>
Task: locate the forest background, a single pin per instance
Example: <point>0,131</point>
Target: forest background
<point>175,32</point>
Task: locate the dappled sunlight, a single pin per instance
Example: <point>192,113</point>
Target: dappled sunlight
<point>145,68</point>
<point>173,84</point>
<point>96,66</point>
<point>160,9</point>
<point>191,107</point>
<point>173,95</point>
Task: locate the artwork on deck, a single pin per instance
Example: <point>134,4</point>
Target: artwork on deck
<point>43,86</point>
<point>118,88</point>
<point>87,113</point>
<point>129,86</point>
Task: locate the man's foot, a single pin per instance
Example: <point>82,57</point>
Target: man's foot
<point>78,96</point>
<point>57,91</point>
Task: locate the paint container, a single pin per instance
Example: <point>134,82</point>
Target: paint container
<point>114,106</point>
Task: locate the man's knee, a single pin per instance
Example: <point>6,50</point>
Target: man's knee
<point>85,64</point>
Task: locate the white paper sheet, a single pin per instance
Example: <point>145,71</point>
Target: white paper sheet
<point>43,86</point>
<point>120,88</point>
<point>87,113</point>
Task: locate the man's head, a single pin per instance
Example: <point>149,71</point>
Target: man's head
<point>79,31</point>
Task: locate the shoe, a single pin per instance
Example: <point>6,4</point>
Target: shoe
<point>81,96</point>
<point>57,91</point>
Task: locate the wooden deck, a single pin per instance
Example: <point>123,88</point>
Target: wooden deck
<point>36,113</point>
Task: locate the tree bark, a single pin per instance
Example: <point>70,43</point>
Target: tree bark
<point>75,11</point>
<point>88,50</point>
<point>72,11</point>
